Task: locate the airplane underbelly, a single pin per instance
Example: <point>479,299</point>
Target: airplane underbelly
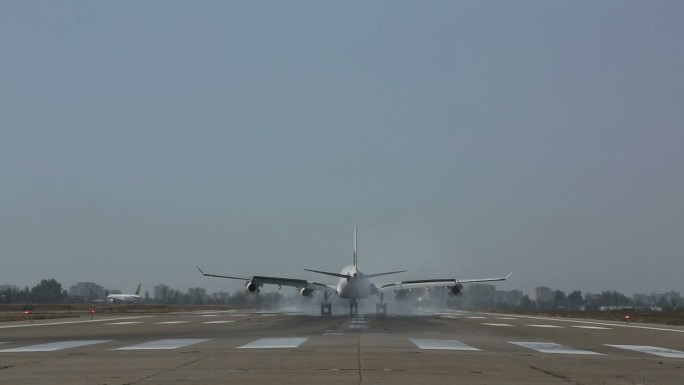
<point>353,289</point>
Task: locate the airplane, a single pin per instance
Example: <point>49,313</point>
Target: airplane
<point>129,298</point>
<point>355,285</point>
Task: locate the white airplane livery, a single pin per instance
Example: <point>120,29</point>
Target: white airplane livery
<point>129,298</point>
<point>354,285</point>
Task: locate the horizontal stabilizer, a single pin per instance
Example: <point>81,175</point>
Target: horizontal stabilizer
<point>328,273</point>
<point>381,274</point>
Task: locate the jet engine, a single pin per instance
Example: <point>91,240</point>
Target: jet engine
<point>306,292</point>
<point>456,290</point>
<point>400,295</point>
<point>252,286</point>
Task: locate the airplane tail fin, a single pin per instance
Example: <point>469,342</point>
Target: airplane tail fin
<point>137,291</point>
<point>356,255</point>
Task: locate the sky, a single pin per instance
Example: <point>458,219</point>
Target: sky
<point>464,139</point>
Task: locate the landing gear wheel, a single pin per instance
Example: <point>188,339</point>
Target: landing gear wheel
<point>326,307</point>
<point>381,308</point>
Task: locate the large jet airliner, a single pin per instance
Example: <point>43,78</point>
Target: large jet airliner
<point>125,297</point>
<point>354,285</point>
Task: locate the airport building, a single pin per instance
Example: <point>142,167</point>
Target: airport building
<point>89,290</point>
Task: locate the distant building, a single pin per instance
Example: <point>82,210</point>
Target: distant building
<point>544,295</point>
<point>88,290</point>
<point>198,295</point>
<point>512,298</point>
<point>481,295</point>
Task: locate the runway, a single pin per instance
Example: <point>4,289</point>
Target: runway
<point>240,347</point>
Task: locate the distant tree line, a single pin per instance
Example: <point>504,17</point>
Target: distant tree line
<point>47,291</point>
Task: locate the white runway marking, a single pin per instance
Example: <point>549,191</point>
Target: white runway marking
<point>548,347</point>
<point>488,324</point>
<point>163,344</point>
<point>547,326</point>
<point>50,323</point>
<point>333,333</point>
<point>671,353</point>
<point>52,346</point>
<point>476,317</point>
<point>601,323</point>
<point>218,322</point>
<point>505,318</point>
<point>441,344</point>
<point>210,315</point>
<point>171,322</point>
<point>591,327</point>
<point>124,323</point>
<point>274,343</point>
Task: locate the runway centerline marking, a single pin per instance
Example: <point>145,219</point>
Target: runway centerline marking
<point>671,353</point>
<point>546,326</point>
<point>274,343</point>
<point>171,322</point>
<point>433,344</point>
<point>549,347</point>
<point>164,344</point>
<point>218,322</point>
<point>492,324</point>
<point>124,323</point>
<point>476,317</point>
<point>591,327</point>
<point>52,346</point>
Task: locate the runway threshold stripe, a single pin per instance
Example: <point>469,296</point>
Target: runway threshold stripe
<point>433,344</point>
<point>549,347</point>
<point>671,353</point>
<point>274,343</point>
<point>52,346</point>
<point>164,344</point>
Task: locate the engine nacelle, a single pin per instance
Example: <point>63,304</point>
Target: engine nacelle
<point>456,290</point>
<point>306,292</point>
<point>252,286</point>
<point>400,295</point>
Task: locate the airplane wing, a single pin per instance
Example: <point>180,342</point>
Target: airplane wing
<point>263,280</point>
<point>435,282</point>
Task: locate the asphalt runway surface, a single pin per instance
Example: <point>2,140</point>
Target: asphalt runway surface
<point>228,347</point>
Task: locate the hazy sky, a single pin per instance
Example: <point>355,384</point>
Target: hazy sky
<point>465,139</point>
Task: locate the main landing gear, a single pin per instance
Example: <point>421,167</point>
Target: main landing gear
<point>381,308</point>
<point>326,307</point>
<point>353,307</point>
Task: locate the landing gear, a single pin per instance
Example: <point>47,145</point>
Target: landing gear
<point>381,308</point>
<point>353,307</point>
<point>326,307</point>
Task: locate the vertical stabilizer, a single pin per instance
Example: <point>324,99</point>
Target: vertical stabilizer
<point>137,291</point>
<point>356,255</point>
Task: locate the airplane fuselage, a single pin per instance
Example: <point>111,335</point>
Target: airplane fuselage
<point>357,286</point>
